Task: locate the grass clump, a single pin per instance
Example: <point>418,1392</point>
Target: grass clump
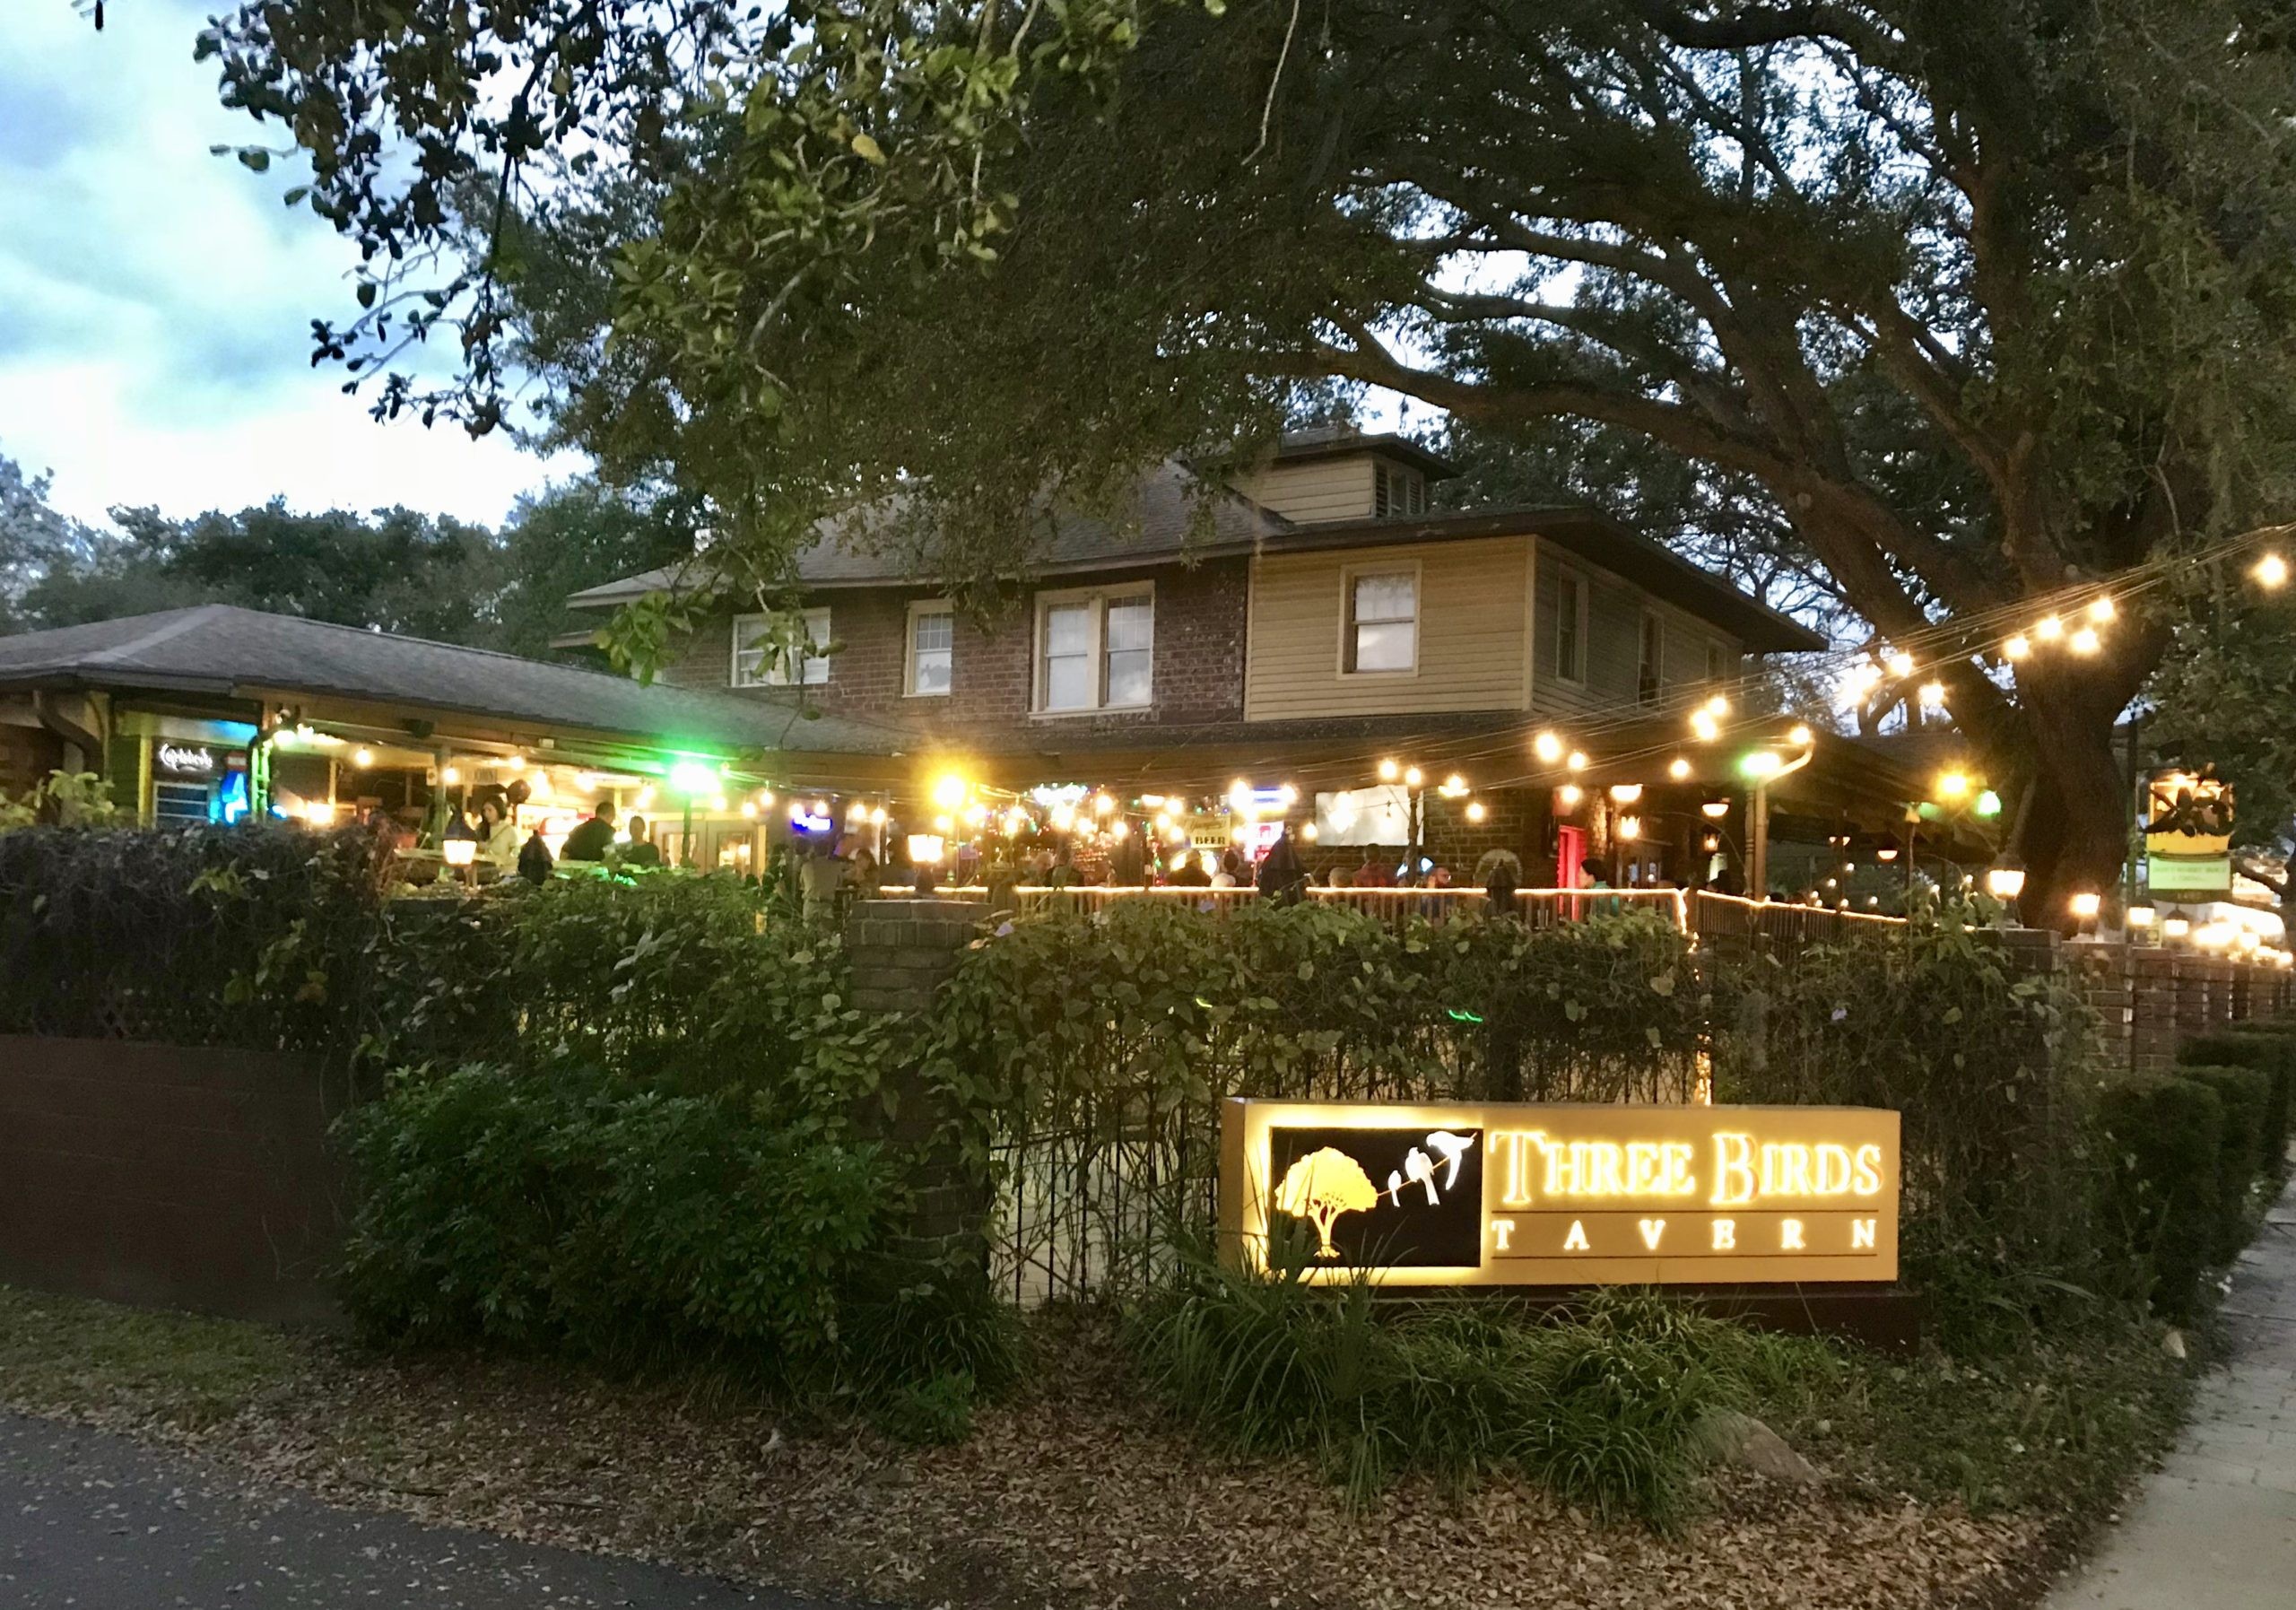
<point>1597,1405</point>
<point>72,1356</point>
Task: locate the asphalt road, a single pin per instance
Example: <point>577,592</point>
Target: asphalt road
<point>93,1522</point>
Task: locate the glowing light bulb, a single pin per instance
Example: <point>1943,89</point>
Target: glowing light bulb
<point>1704,728</point>
<point>1800,735</point>
<point>2085,904</point>
<point>1933,695</point>
<point>1413,776</point>
<point>1630,827</point>
<point>2271,572</point>
<point>949,791</point>
<point>1718,706</point>
<point>1900,665</point>
<point>1576,761</point>
<point>1678,768</point>
<point>2017,647</point>
<point>362,756</point>
<point>1547,747</point>
<point>1308,831</point>
<point>1568,796</point>
<point>1714,810</point>
<point>1476,811</point>
<point>2100,610</point>
<point>452,775</point>
<point>1953,785</point>
<point>2048,629</point>
<point>2085,641</point>
<point>1389,771</point>
<point>1626,793</point>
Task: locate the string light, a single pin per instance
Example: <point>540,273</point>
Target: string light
<point>1547,747</point>
<point>1568,796</point>
<point>1704,728</point>
<point>2085,641</point>
<point>2048,629</point>
<point>1576,761</point>
<point>2271,572</point>
<point>1476,811</point>
<point>1901,664</point>
<point>1801,736</point>
<point>2018,646</point>
<point>1953,785</point>
<point>1388,772</point>
<point>1718,706</point>
<point>1933,695</point>
<point>362,756</point>
<point>1679,768</point>
<point>2100,610</point>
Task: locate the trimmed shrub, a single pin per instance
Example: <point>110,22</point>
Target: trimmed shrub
<point>570,1215</point>
<point>2164,1138</point>
<point>2270,1046</point>
<point>2246,1095</point>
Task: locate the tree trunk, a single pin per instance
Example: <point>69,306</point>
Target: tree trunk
<point>2074,837</point>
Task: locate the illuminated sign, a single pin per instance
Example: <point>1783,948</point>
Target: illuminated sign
<point>187,760</point>
<point>1518,1195</point>
<point>2188,835</point>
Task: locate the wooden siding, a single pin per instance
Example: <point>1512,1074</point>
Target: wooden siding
<point>1473,603</point>
<point>1613,643</point>
<point>1321,489</point>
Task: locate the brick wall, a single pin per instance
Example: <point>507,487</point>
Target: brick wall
<point>1198,663</point>
<point>168,1176</point>
<point>2148,1000</point>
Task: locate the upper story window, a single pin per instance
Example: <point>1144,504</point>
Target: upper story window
<point>1397,489</point>
<point>1569,626</point>
<point>1382,630</point>
<point>1717,661</point>
<point>1650,672</point>
<point>1095,650</point>
<point>932,649</point>
<point>758,664</point>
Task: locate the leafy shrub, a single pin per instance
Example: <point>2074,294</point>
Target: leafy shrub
<point>2270,1046</point>
<point>2164,1138</point>
<point>1598,1406</point>
<point>1990,1069</point>
<point>2245,1093</point>
<point>573,1214</point>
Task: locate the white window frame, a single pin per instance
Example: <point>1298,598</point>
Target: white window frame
<point>1348,576</point>
<point>1650,656</point>
<point>1099,598</point>
<point>1717,661</point>
<point>1575,675</point>
<point>917,609</point>
<point>812,674</point>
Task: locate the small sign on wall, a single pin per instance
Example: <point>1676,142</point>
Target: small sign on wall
<point>1575,1195</point>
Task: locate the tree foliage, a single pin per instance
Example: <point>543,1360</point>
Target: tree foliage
<point>1972,298</point>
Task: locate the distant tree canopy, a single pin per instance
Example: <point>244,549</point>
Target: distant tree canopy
<point>1956,301</point>
<point>395,570</point>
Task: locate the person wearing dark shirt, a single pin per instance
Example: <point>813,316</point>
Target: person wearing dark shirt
<point>642,851</point>
<point>591,837</point>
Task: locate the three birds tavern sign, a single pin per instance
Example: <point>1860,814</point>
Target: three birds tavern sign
<point>1517,1194</point>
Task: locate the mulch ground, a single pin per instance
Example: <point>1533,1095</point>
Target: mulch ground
<point>1075,1495</point>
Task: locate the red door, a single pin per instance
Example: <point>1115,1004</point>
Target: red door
<point>1570,851</point>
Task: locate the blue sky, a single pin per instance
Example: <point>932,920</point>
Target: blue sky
<point>155,301</point>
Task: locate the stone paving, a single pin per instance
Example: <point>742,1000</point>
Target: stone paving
<point>2215,1526</point>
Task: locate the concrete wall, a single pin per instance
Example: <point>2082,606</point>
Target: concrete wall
<point>169,1176</point>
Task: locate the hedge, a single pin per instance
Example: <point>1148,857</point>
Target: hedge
<point>2271,1047</point>
<point>2165,1138</point>
<point>2244,1094</point>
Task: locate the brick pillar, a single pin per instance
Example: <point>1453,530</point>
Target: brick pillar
<point>903,952</point>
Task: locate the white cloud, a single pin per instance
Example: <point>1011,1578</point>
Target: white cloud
<point>155,299</point>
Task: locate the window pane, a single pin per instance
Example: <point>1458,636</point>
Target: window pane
<point>1128,676</point>
<point>1131,624</point>
<point>1068,628</point>
<point>935,632</point>
<point>932,671</point>
<point>816,666</point>
<point>932,651</point>
<point>1384,645</point>
<point>1566,627</point>
<point>1385,597</point>
<point>1068,681</point>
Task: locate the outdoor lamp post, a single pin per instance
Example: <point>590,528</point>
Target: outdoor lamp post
<point>2005,880</point>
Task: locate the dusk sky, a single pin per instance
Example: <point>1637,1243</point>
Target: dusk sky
<point>155,301</point>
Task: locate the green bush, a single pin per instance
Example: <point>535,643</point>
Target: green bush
<point>1599,1407</point>
<point>2164,1139</point>
<point>2270,1046</point>
<point>2244,1094</point>
<point>571,1214</point>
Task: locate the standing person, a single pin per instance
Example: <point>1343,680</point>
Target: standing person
<point>1063,872</point>
<point>821,878</point>
<point>1501,873</point>
<point>498,835</point>
<point>592,837</point>
<point>642,851</point>
<point>1129,863</point>
<point>1282,876</point>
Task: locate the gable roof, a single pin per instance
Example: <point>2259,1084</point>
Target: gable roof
<point>222,651</point>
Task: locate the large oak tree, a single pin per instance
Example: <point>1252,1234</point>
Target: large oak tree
<point>1977,298</point>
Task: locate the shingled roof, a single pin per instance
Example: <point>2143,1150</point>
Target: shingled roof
<point>222,651</point>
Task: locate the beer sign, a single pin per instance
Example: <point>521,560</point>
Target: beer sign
<point>1568,1194</point>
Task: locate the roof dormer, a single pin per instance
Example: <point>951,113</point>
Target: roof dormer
<point>1339,473</point>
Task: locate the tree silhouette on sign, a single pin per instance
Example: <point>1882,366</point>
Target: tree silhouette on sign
<point>1320,1187</point>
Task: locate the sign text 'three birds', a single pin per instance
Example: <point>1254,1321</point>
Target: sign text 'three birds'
<point>1517,1194</point>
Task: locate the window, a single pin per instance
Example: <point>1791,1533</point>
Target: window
<point>1718,662</point>
<point>932,649</point>
<point>1397,490</point>
<point>1650,669</point>
<point>756,665</point>
<point>1382,622</point>
<point>1570,627</point>
<point>1095,650</point>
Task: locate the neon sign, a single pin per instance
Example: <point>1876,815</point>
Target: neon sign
<point>1519,1195</point>
<point>187,760</point>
